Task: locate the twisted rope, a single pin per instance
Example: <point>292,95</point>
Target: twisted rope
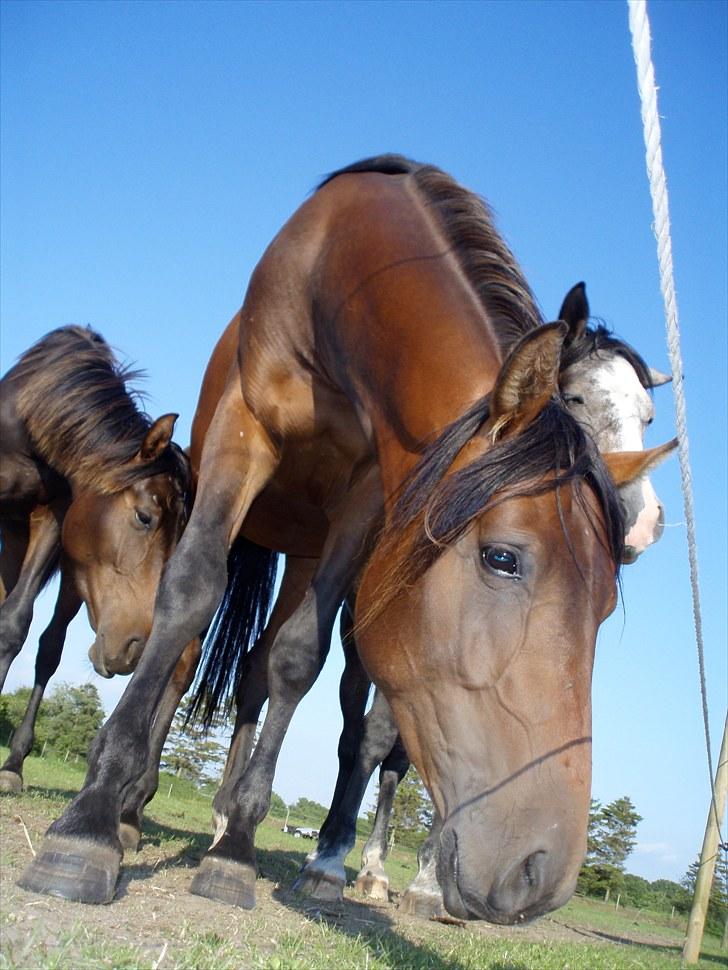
<point>641,46</point>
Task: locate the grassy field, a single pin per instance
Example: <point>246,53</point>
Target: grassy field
<point>155,923</point>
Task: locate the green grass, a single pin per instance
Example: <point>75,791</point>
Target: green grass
<point>284,932</point>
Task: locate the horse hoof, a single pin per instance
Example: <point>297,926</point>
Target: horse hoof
<point>225,881</point>
<point>424,905</point>
<point>129,836</point>
<point>81,871</point>
<point>319,884</point>
<point>374,887</point>
<point>10,783</point>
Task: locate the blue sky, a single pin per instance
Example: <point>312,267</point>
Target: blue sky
<point>150,151</point>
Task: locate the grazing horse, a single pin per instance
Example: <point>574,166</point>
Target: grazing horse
<point>604,382</point>
<point>88,485</point>
<point>388,356</point>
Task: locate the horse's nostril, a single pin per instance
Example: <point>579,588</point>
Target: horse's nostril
<point>133,651</point>
<point>533,868</point>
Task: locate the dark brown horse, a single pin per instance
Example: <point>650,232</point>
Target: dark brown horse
<point>90,485</point>
<point>388,356</point>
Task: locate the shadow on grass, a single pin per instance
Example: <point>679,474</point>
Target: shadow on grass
<point>366,923</point>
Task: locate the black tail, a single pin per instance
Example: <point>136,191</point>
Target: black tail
<point>238,623</point>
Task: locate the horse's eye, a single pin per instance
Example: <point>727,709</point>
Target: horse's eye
<point>143,518</point>
<point>501,560</point>
<point>573,399</point>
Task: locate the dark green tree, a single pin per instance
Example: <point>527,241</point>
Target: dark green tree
<point>307,811</point>
<point>73,715</point>
<point>412,811</point>
<point>278,807</point>
<point>190,752</point>
<point>12,709</point>
<point>718,899</point>
<point>617,832</point>
<point>611,837</point>
<point>667,894</point>
<point>592,835</point>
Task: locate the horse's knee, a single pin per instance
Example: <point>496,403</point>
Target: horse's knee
<point>191,590</point>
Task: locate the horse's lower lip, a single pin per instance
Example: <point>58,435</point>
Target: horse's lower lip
<point>629,555</point>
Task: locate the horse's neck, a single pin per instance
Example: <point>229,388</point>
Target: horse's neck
<point>408,330</point>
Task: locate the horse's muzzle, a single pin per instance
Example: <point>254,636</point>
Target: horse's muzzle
<point>523,892</point>
<point>122,661</point>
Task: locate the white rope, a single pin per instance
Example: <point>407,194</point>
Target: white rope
<point>640,29</point>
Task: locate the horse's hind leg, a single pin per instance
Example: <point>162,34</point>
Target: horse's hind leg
<point>253,690</point>
<point>137,797</point>
<point>50,647</point>
<point>228,871</point>
<point>372,879</point>
<point>354,689</point>
<point>423,896</point>
<point>16,613</point>
<point>323,875</point>
<point>81,854</point>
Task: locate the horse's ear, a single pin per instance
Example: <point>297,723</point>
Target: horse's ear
<point>157,438</point>
<point>625,466</point>
<point>527,380</point>
<point>575,312</point>
<point>657,378</point>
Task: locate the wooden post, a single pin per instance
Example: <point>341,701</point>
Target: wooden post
<point>716,812</point>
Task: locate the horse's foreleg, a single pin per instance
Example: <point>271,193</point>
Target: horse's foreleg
<point>16,613</point>
<point>228,871</point>
<point>81,855</point>
<point>144,789</point>
<point>50,647</point>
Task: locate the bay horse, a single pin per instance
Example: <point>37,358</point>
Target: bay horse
<point>604,383</point>
<point>389,356</point>
<point>89,486</point>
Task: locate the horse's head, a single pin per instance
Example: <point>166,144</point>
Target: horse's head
<point>479,621</point>
<point>117,543</point>
<point>604,384</point>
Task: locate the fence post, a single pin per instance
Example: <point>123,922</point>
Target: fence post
<point>711,848</point>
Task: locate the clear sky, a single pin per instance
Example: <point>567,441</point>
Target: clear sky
<point>150,151</point>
